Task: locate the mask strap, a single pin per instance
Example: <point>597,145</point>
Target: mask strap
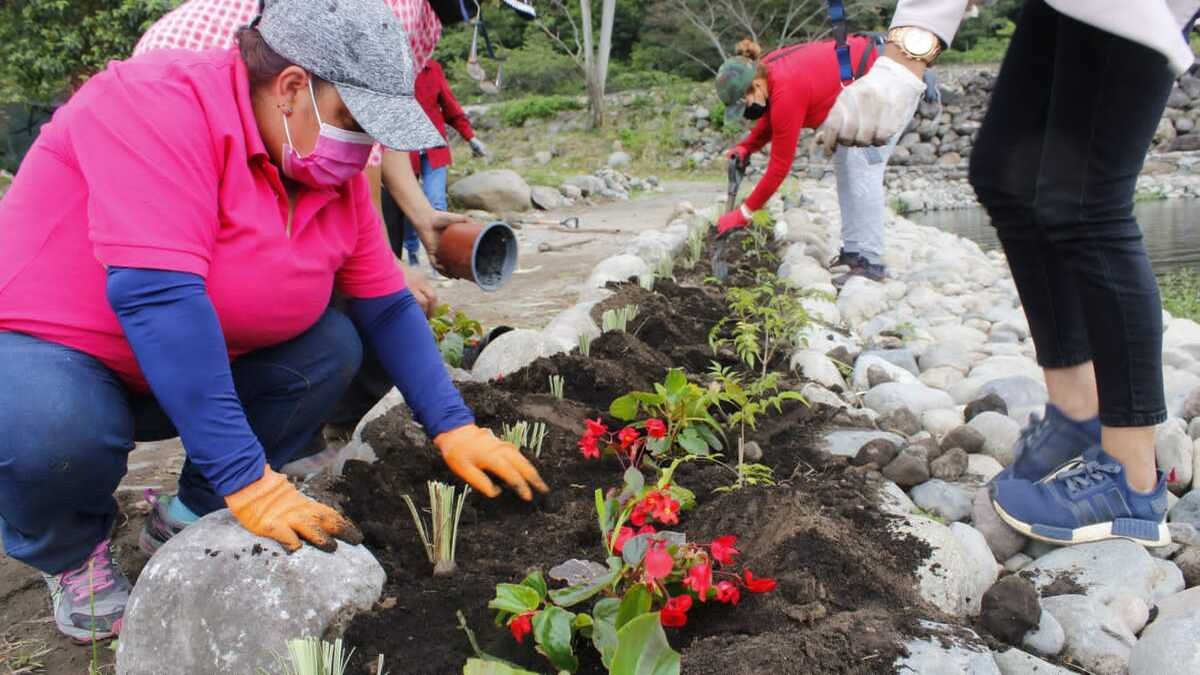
<point>312,94</point>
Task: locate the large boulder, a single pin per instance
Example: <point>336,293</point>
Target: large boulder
<point>914,396</point>
<point>999,433</point>
<point>496,191</point>
<point>513,351</point>
<point>946,578</point>
<point>1107,570</point>
<point>1168,646</point>
<point>946,650</point>
<point>218,599</point>
<point>547,198</point>
<point>1017,662</point>
<point>1096,638</point>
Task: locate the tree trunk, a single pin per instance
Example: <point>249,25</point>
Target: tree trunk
<point>596,57</point>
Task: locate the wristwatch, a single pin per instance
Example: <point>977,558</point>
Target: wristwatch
<point>916,43</point>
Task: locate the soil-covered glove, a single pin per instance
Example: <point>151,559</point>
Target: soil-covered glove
<point>477,147</point>
<point>872,109</point>
<point>742,155</point>
<point>734,220</point>
<point>271,507</point>
<point>472,453</point>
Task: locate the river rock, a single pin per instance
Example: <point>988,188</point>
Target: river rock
<point>1107,569</point>
<point>860,300</point>
<point>1017,391</point>
<point>900,421</point>
<point>1188,562</point>
<point>965,336</point>
<point>966,437</point>
<point>986,403</point>
<point>818,397</point>
<point>618,268</point>
<point>894,500</point>
<point>940,422</point>
<point>946,355</point>
<point>1095,637</point>
<point>547,198</point>
<point>847,443</point>
<point>1010,609</point>
<point>571,192</point>
<point>498,191</point>
<point>1048,639</point>
<point>909,468</point>
<point>1182,604</point>
<point>619,159</point>
<point>950,466</point>
<point>1191,406</point>
<point>966,390</point>
<point>902,358</point>
<point>1133,612</point>
<point>218,599</point>
<point>861,379</point>
<point>1017,662</point>
<point>877,375</point>
<point>587,185</point>
<point>819,368</point>
<point>1004,541</point>
<point>982,468</point>
<point>943,579</point>
<point>572,323</point>
<point>1173,449</point>
<point>942,377</point>
<point>1017,562</point>
<point>985,568</point>
<point>879,452</point>
<point>1167,646</point>
<point>1187,510</point>
<point>513,351</point>
<point>949,651</point>
<point>916,397</point>
<point>1000,433</point>
<point>945,500</point>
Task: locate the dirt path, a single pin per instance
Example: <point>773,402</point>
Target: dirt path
<point>545,284</point>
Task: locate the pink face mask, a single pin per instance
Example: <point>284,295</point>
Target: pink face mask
<point>338,156</point>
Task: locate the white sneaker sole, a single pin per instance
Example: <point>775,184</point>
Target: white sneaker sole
<point>1086,534</point>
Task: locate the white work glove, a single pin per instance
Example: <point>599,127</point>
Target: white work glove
<point>873,108</point>
<point>477,147</point>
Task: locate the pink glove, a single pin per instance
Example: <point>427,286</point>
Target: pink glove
<point>734,220</point>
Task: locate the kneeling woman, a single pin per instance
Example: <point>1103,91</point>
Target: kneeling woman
<point>167,255</point>
<point>792,89</point>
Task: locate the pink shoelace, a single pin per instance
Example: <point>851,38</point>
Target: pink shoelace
<point>97,570</point>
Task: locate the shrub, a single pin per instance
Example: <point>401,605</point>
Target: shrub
<point>515,113</point>
<point>1181,293</point>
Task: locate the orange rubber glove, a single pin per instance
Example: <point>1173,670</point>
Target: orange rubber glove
<point>470,452</point>
<point>271,507</point>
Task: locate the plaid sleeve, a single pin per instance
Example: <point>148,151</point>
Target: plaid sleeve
<point>197,25</point>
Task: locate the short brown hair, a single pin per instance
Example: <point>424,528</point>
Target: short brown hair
<point>750,49</point>
<point>263,64</point>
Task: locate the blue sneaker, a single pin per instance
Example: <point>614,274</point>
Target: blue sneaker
<point>1048,445</point>
<point>1090,502</point>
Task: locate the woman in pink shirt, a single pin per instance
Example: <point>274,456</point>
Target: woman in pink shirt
<point>167,254</point>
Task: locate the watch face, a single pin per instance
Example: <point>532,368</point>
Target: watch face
<point>918,42</point>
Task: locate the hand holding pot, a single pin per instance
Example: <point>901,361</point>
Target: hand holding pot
<point>472,453</point>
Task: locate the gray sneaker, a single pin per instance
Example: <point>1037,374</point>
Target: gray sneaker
<point>89,601</point>
<point>872,271</point>
<point>160,526</point>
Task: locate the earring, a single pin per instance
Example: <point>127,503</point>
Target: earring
<point>287,109</point>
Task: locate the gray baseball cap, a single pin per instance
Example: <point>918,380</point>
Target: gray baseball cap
<point>360,48</point>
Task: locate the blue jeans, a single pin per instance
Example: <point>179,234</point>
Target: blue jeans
<point>433,184</point>
<point>67,425</point>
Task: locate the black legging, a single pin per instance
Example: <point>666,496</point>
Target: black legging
<point>1072,115</point>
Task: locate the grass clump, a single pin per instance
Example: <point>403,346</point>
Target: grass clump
<point>1181,293</point>
<point>516,113</point>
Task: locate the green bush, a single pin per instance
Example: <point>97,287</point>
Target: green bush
<point>514,113</point>
<point>1181,293</point>
<point>48,47</point>
<point>624,79</point>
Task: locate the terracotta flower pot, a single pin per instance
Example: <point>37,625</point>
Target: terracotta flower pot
<point>484,254</point>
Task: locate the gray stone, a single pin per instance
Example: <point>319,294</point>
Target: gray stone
<point>847,443</point>
<point>1000,433</point>
<point>1010,609</point>
<point>1191,406</point>
<point>1095,636</point>
<point>513,351</point>
<point>946,354</point>
<point>1107,570</point>
<point>909,468</point>
<point>902,358</point>
<point>819,368</point>
<point>965,437</point>
<point>943,579</point>
<point>916,397</point>
<point>1187,510</point>
<point>945,500</point>
<point>753,452</point>
<point>986,403</point>
<point>571,192</point>
<point>1188,562</point>
<point>218,599</point>
<point>1184,534</point>
<point>877,376</point>
<point>1185,143</point>
<point>587,185</point>
<point>1048,639</point>
<point>1017,391</point>
<point>893,500</point>
<point>950,466</point>
<point>1017,662</point>
<point>1167,646</point>
<point>1133,612</point>
<point>1017,562</point>
<point>949,651</point>
<point>618,268</point>
<point>543,157</point>
<point>860,300</point>
<point>985,570</point>
<point>879,452</point>
<point>1173,449</point>
<point>1182,604</point>
<point>619,159</point>
<point>1004,541</point>
<point>901,421</point>
<point>942,377</point>
<point>982,468</point>
<point>547,198</point>
<point>497,191</point>
<point>818,396</point>
<point>940,422</point>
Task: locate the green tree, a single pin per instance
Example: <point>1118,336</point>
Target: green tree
<point>48,47</point>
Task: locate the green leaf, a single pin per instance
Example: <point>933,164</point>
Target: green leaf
<point>676,385</point>
<point>634,481</point>
<point>537,582</point>
<point>515,598</point>
<point>647,399</point>
<point>690,440</point>
<point>710,438</point>
<point>573,595</point>
<point>642,649</point>
<point>583,622</point>
<point>451,348</point>
<point>605,610</point>
<point>553,633</point>
<point>635,603</point>
<point>635,549</point>
<point>685,497</point>
<point>604,628</point>
<point>485,667</point>
<point>604,516</point>
<point>657,446</point>
<point>624,408</point>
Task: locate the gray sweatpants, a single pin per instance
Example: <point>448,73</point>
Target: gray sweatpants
<point>859,174</point>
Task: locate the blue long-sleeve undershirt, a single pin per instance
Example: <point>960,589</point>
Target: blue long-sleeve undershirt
<point>176,336</point>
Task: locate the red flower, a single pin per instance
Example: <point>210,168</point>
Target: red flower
<point>761,585</point>
<point>699,580</point>
<point>627,437</point>
<point>665,510</point>
<point>674,613</point>
<point>659,562</point>
<point>728,592</point>
<point>520,626</point>
<point>595,427</point>
<point>623,535</point>
<point>589,447</point>
<point>647,529</point>
<point>724,548</point>
<point>655,428</point>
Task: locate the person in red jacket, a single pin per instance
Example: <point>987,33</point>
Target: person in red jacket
<point>434,94</point>
<point>785,92</point>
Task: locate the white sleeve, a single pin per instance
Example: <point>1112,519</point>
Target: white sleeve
<point>940,17</point>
